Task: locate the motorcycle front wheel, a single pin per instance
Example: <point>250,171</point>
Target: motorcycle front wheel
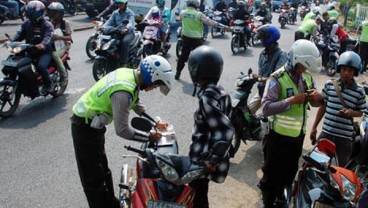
<point>283,23</point>
<point>99,68</point>
<point>235,44</point>
<point>9,99</point>
<point>91,47</point>
<point>148,50</point>
<point>330,68</point>
<point>179,47</point>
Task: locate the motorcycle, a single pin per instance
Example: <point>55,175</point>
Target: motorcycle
<point>254,25</point>
<point>21,78</point>
<point>247,126</point>
<point>151,41</point>
<point>303,11</point>
<point>161,174</point>
<point>94,8</point>
<point>108,51</point>
<point>283,19</point>
<point>292,15</point>
<point>239,39</point>
<point>91,44</point>
<point>7,14</point>
<point>221,18</point>
<point>69,6</point>
<point>319,183</point>
<point>329,48</point>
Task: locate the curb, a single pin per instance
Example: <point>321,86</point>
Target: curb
<point>76,28</point>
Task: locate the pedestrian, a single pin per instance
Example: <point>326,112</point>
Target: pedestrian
<point>363,45</point>
<point>212,125</point>
<point>288,94</point>
<point>110,100</point>
<point>270,59</point>
<point>344,99</point>
<point>192,31</point>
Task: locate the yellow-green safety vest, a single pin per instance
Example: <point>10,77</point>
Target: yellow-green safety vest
<point>293,121</point>
<point>307,27</point>
<point>364,34</point>
<point>97,99</point>
<point>192,23</point>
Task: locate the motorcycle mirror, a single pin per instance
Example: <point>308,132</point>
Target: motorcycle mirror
<point>250,71</point>
<point>7,35</point>
<point>141,124</point>
<point>220,148</point>
<point>326,146</point>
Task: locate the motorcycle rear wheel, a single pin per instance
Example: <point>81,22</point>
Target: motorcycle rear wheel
<point>59,89</point>
<point>91,47</point>
<point>9,96</point>
<point>179,47</point>
<point>330,69</point>
<point>235,45</point>
<point>99,69</point>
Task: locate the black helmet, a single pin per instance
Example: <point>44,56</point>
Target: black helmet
<point>331,21</point>
<point>205,63</point>
<point>241,4</point>
<point>350,59</point>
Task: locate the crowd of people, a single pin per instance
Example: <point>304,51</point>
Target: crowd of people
<point>285,98</point>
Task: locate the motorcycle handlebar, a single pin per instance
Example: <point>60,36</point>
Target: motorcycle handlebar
<point>133,149</point>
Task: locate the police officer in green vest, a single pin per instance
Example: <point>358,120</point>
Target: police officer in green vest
<point>312,14</point>
<point>332,12</point>
<point>363,47</point>
<point>192,32</point>
<point>308,29</point>
<point>110,100</point>
<point>287,96</point>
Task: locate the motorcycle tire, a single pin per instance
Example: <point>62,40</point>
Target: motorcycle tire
<point>91,47</point>
<point>283,23</point>
<point>148,50</point>
<point>330,68</point>
<point>127,179</point>
<point>59,89</point>
<point>179,47</point>
<point>235,44</point>
<point>99,68</point>
<point>235,144</point>
<point>136,60</point>
<point>10,95</point>
<point>213,32</point>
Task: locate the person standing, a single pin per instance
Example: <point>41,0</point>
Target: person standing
<point>212,126</point>
<point>339,112</point>
<point>110,100</point>
<point>287,96</point>
<point>363,45</point>
<point>192,31</point>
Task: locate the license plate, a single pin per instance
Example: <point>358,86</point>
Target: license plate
<point>9,63</point>
<point>322,205</point>
<point>163,204</point>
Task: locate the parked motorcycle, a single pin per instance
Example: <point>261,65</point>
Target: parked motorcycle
<point>247,126</point>
<point>91,45</point>
<point>329,48</point>
<point>256,22</point>
<point>21,78</point>
<point>7,14</point>
<point>161,174</point>
<point>108,52</point>
<point>319,183</point>
<point>283,18</point>
<point>221,18</point>
<point>151,40</point>
<point>239,39</point>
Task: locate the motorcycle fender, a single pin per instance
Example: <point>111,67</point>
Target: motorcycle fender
<point>7,82</point>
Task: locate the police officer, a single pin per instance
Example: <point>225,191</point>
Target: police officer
<point>192,31</point>
<point>363,47</point>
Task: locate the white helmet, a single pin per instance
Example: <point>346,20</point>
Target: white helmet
<point>192,3</point>
<point>317,10</point>
<point>330,7</point>
<point>157,70</point>
<point>305,53</point>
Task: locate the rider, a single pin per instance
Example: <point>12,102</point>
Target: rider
<point>221,6</point>
<point>257,6</point>
<point>211,120</point>
<point>338,123</point>
<point>38,31</point>
<point>110,100</point>
<point>161,12</point>
<point>363,45</point>
<point>263,13</point>
<point>192,31</point>
<point>308,29</point>
<point>336,30</point>
<point>332,12</point>
<point>270,59</point>
<point>234,4</point>
<point>285,6</point>
<point>62,38</point>
<point>116,22</point>
<point>243,14</point>
<point>288,94</point>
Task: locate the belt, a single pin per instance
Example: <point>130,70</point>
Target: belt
<point>80,120</point>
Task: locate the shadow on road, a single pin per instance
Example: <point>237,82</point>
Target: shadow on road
<point>31,113</point>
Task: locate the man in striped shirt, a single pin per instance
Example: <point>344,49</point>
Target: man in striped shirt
<point>338,124</point>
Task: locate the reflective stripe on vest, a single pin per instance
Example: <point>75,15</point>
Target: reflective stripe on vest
<point>97,100</point>
<point>293,121</point>
<point>364,34</point>
<point>192,23</point>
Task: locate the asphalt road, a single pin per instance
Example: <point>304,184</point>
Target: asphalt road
<point>38,167</point>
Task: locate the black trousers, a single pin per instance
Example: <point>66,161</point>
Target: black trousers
<point>95,175</point>
<point>300,35</point>
<point>281,158</point>
<point>189,44</point>
<point>201,193</point>
<point>363,52</point>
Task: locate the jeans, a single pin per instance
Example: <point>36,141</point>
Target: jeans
<point>12,5</point>
<point>124,48</point>
<point>43,63</point>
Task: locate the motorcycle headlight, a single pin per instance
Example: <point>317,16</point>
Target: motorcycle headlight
<point>167,171</point>
<point>107,45</point>
<point>350,189</point>
<point>334,183</point>
<point>17,49</point>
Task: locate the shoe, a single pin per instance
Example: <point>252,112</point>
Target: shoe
<point>177,76</point>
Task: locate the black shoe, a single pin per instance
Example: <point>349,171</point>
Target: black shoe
<point>177,76</point>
